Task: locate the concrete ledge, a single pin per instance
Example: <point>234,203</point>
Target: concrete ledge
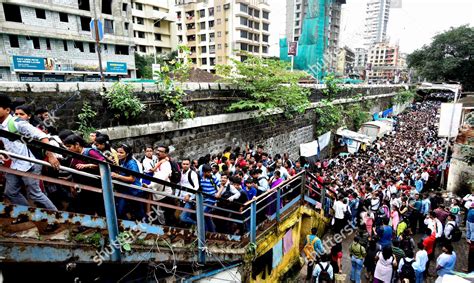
<point>43,87</point>
<point>122,132</point>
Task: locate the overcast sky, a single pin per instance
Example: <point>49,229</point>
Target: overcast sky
<point>412,25</point>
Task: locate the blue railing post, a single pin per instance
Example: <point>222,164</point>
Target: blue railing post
<point>253,222</point>
<point>109,205</point>
<point>303,187</point>
<point>201,229</point>
<point>278,201</point>
<point>323,199</point>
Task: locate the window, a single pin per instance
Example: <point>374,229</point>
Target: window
<point>298,6</point>
<point>218,8</point>
<point>79,45</point>
<point>219,34</point>
<point>84,5</point>
<point>211,24</point>
<point>193,49</point>
<point>124,7</point>
<point>108,26</point>
<point>243,21</point>
<point>85,23</point>
<point>158,49</point>
<point>14,43</point>
<point>156,8</point>
<point>191,38</point>
<point>65,45</point>
<point>178,15</point>
<point>250,24</point>
<point>194,60</point>
<point>142,48</point>
<point>202,13</point>
<point>158,36</point>
<point>157,24</point>
<point>35,41</point>
<point>265,26</point>
<point>212,37</point>
<point>219,46</point>
<point>298,15</point>
<point>250,11</point>
<point>264,49</point>
<point>121,50</point>
<point>204,61</point>
<point>40,13</point>
<point>63,17</point>
<point>139,34</point>
<point>180,26</point>
<point>190,26</point>
<point>139,6</point>
<point>180,38</point>
<point>218,21</point>
<point>213,61</point>
<point>203,37</point>
<point>12,13</point>
<point>226,6</point>
<point>256,49</point>
<point>91,47</point>
<point>243,46</point>
<point>211,12</point>
<point>297,23</point>
<point>243,34</point>
<point>203,49</point>
<point>107,7</point>
<point>202,25</point>
<point>48,44</point>
<point>243,7</point>
<point>265,38</point>
<point>212,49</point>
<point>126,25</point>
<point>256,37</point>
<point>265,15</point>
<point>256,13</point>
<point>140,21</point>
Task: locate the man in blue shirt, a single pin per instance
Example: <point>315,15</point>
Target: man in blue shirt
<point>446,261</point>
<point>209,187</point>
<point>419,184</point>
<point>318,248</point>
<point>385,234</point>
<point>250,188</point>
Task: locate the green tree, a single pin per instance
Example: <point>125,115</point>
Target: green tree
<point>268,85</point>
<point>448,57</point>
<point>328,117</point>
<point>143,63</point>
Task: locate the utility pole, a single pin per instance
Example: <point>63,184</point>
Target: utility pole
<point>97,42</point>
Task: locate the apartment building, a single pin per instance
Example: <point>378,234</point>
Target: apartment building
<point>217,30</point>
<point>376,21</point>
<point>154,26</point>
<point>345,61</point>
<point>360,61</point>
<point>383,63</point>
<point>51,40</point>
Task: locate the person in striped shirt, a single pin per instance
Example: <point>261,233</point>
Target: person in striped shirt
<point>209,187</point>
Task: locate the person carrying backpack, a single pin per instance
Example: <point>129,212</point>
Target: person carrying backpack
<point>312,249</point>
<point>451,231</point>
<point>406,272</point>
<point>358,253</point>
<point>323,271</point>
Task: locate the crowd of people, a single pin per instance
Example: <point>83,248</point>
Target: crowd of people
<point>388,190</point>
<point>389,193</point>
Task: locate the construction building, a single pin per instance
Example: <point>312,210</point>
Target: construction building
<point>52,40</point>
<point>216,30</point>
<point>154,26</point>
<point>315,25</point>
<point>345,62</point>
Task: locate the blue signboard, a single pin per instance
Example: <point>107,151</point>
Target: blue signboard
<point>100,29</point>
<point>116,67</point>
<point>28,63</point>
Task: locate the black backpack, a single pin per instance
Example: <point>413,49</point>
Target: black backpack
<point>324,274</point>
<point>455,234</point>
<point>407,271</point>
<point>175,176</point>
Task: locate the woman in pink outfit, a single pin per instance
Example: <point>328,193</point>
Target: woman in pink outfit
<point>395,215</point>
<point>369,221</point>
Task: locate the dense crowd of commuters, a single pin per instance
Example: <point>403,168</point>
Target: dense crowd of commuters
<point>387,190</point>
<point>389,193</point>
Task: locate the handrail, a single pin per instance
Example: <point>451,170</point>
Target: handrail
<point>314,177</point>
<point>65,152</point>
<point>284,183</point>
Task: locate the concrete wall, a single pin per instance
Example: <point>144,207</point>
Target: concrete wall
<point>211,130</point>
<point>460,173</point>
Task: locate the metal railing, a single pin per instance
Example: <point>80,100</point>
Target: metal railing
<point>263,211</point>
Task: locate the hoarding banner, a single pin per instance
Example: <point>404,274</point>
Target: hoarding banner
<point>28,63</point>
<point>116,67</point>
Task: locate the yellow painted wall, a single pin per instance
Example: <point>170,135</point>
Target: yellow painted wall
<point>301,221</point>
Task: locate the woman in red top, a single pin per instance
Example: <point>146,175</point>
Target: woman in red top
<point>336,258</point>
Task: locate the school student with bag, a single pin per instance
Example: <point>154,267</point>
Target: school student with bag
<point>312,248</point>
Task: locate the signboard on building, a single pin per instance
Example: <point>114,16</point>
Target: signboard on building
<point>293,48</point>
<point>155,68</point>
<point>116,67</point>
<point>54,78</point>
<point>28,63</point>
<point>30,78</point>
<point>100,29</point>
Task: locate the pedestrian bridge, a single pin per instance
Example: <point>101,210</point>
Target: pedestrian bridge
<point>267,249</point>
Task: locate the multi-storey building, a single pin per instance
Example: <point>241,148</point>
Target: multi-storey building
<point>326,16</point>
<point>154,28</point>
<point>217,30</point>
<point>51,40</point>
<point>383,63</point>
<point>360,59</point>
<point>376,21</point>
<point>345,61</point>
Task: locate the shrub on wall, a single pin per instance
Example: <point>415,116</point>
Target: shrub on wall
<point>123,102</point>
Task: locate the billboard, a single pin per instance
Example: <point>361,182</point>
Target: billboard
<point>28,63</point>
<point>116,67</point>
<point>449,119</point>
<point>293,48</point>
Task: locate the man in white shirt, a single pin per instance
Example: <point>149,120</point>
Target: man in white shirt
<point>432,222</point>
<point>190,180</point>
<point>13,182</point>
<point>421,258</point>
<point>425,176</point>
<point>283,172</point>
<point>339,209</point>
<point>449,227</point>
<point>163,172</point>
